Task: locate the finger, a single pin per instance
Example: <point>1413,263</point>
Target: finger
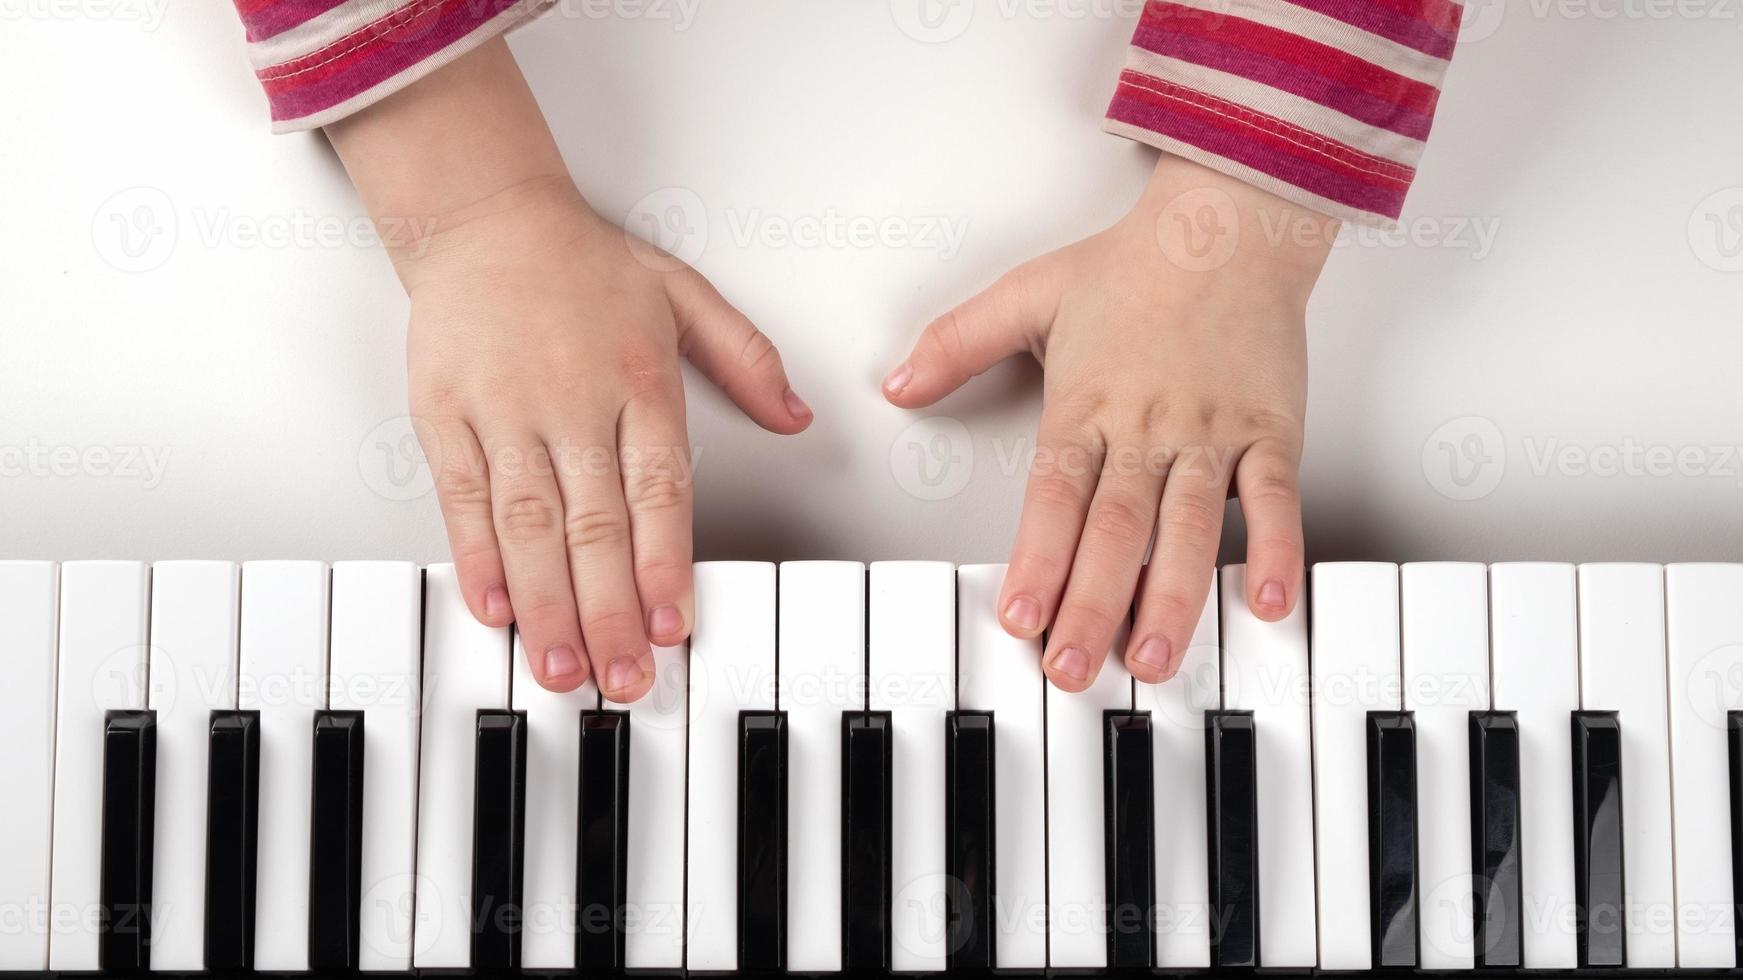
<point>731,352</point>
<point>1007,318</point>
<point>463,490</point>
<point>597,538</point>
<point>1104,572</point>
<point>1177,581</point>
<point>655,456</point>
<point>528,516</point>
<point>1062,480</point>
<point>1267,480</point>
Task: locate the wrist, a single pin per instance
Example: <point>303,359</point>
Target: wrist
<point>464,150</point>
<point>1206,221</point>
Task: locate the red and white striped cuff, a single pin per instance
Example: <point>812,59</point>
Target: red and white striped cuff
<point>1326,103</point>
<point>322,60</point>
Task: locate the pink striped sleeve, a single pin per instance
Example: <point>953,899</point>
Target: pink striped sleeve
<point>321,60</point>
<point>1326,103</point>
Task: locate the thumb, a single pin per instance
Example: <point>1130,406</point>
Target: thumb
<point>731,352</point>
<point>1003,320</point>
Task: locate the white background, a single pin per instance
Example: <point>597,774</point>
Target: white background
<point>264,380</point>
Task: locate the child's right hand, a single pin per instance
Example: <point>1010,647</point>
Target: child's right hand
<point>544,379</point>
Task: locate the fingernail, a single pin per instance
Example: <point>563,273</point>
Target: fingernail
<point>496,601</point>
<point>1024,613</point>
<point>1072,663</point>
<point>898,379</point>
<point>796,406</point>
<point>560,661</point>
<point>1271,594</point>
<point>665,621</point>
<point>622,674</point>
<point>1153,653</point>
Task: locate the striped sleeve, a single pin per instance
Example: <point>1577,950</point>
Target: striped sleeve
<point>1326,103</point>
<point>321,60</point>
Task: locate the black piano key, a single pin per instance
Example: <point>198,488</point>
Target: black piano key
<point>1232,799</point>
<point>866,763</point>
<point>498,838</point>
<point>232,839</point>
<point>969,835</point>
<point>1129,806</point>
<point>129,806</point>
<point>1393,878</point>
<point>762,841</point>
<point>1734,732</point>
<point>603,844</point>
<point>1498,904</point>
<point>336,842</point>
<point>1600,898</point>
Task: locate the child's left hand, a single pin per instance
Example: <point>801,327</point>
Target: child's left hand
<point>1175,353</point>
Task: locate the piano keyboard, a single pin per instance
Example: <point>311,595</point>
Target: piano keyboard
<point>290,766</point>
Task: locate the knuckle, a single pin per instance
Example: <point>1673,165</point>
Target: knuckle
<point>461,488</point>
<point>1192,517</point>
<point>524,515</point>
<point>1171,607</point>
<point>614,631</point>
<point>586,528</point>
<point>1273,488</point>
<point>945,335</point>
<point>656,489</point>
<point>1092,622</point>
<point>1119,520</point>
<point>759,354</point>
<point>665,569</point>
<point>1055,491</point>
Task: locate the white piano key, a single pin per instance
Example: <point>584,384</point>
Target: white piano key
<point>28,597</point>
<point>732,669</point>
<point>999,673</point>
<point>553,820</point>
<point>1183,918</point>
<point>1077,893</point>
<point>1704,628</point>
<point>1622,669</point>
<point>466,667</point>
<point>912,657</point>
<point>283,675</point>
<point>1446,676</point>
<point>654,888</point>
<point>194,623</point>
<point>1534,627</point>
<point>822,674</point>
<point>104,612</point>
<point>1265,671</point>
<point>1355,667</point>
<point>376,645</point>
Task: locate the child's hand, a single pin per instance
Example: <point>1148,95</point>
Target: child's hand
<point>1175,367</point>
<point>543,357</point>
